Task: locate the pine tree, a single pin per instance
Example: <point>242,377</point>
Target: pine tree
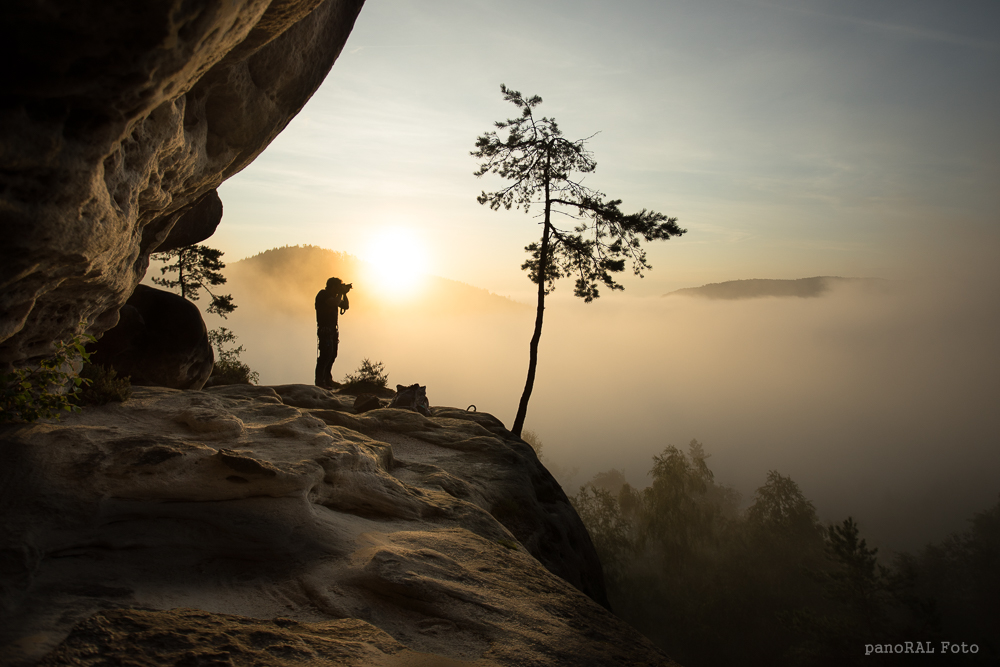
<point>542,166</point>
<point>197,267</point>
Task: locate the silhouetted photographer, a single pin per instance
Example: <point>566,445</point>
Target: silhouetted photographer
<point>330,303</point>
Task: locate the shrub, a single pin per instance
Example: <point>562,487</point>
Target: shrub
<point>532,439</point>
<point>104,386</point>
<point>228,368</point>
<point>233,372</point>
<point>29,394</point>
<point>369,378</point>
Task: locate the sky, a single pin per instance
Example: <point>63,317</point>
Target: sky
<point>791,139</point>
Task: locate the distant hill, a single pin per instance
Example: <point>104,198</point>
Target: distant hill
<point>287,279</point>
<point>756,288</point>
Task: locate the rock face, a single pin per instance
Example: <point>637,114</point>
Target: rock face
<point>227,527</point>
<point>118,120</point>
<point>160,340</point>
<point>196,224</point>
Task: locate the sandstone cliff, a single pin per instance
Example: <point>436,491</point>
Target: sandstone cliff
<point>229,526</point>
<point>117,122</point>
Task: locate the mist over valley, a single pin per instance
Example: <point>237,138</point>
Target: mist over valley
<point>876,397</point>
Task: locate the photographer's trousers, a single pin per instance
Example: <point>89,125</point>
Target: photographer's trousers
<point>329,340</point>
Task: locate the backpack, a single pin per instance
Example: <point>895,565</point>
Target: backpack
<point>413,398</point>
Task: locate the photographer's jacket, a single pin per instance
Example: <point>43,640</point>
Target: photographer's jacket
<point>328,305</point>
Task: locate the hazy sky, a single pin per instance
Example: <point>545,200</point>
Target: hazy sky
<point>791,139</point>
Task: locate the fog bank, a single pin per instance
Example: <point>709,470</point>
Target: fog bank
<point>879,403</point>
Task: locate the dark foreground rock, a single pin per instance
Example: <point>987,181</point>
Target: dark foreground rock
<point>160,340</point>
<point>227,527</point>
<point>192,637</point>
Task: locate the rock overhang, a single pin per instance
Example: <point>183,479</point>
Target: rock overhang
<point>117,123</point>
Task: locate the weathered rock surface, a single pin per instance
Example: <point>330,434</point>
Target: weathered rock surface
<point>311,396</point>
<point>367,403</point>
<point>196,224</point>
<point>227,527</point>
<point>117,120</point>
<point>160,340</point>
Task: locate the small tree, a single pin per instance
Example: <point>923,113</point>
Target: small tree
<point>532,439</point>
<point>31,393</point>
<point>541,165</point>
<point>686,508</point>
<point>857,578</point>
<point>609,528</point>
<point>197,267</point>
<point>228,368</point>
<point>370,377</point>
<point>781,511</point>
<point>862,602</point>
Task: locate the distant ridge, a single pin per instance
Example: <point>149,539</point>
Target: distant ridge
<point>757,288</point>
<point>289,277</point>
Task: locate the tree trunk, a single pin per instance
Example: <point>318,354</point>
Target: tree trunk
<point>180,272</point>
<point>543,263</point>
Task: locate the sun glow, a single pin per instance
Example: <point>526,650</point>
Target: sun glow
<point>397,261</point>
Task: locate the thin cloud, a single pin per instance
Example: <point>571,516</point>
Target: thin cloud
<point>898,29</point>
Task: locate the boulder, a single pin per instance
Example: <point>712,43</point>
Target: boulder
<point>160,340</point>
<point>118,120</point>
<point>366,403</point>
<point>227,527</point>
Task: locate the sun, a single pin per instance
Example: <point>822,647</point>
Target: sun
<point>397,262</point>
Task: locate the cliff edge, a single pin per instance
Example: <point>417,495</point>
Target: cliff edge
<point>272,526</point>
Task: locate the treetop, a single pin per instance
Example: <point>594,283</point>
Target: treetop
<point>544,168</point>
